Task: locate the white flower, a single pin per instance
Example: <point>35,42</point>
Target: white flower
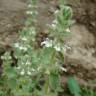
<point>18,68</point>
<point>64,49</point>
<point>33,39</point>
<point>24,38</point>
<point>23,48</point>
<point>29,12</point>
<point>33,69</point>
<point>22,72</point>
<point>33,32</point>
<point>16,45</point>
<point>47,43</point>
<point>38,69</point>
<point>55,21</point>
<point>57,48</point>
<point>47,72</point>
<point>29,5</point>
<point>67,47</point>
<point>32,12</point>
<point>67,30</point>
<point>28,63</point>
<point>63,69</point>
<point>53,25</point>
<point>6,57</point>
<point>28,72</point>
<point>56,11</point>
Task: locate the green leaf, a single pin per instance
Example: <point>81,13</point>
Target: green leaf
<point>11,72</point>
<point>54,81</point>
<point>12,83</point>
<point>2,93</point>
<point>73,86</point>
<point>46,55</point>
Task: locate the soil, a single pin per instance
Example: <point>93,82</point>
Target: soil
<point>80,60</point>
<point>11,19</point>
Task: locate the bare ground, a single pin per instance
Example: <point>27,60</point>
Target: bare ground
<point>11,19</point>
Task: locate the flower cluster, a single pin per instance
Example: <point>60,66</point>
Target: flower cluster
<point>57,46</point>
<point>51,43</point>
<point>31,10</point>
<point>20,47</point>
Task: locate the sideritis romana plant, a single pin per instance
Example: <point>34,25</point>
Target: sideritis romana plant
<point>38,69</point>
